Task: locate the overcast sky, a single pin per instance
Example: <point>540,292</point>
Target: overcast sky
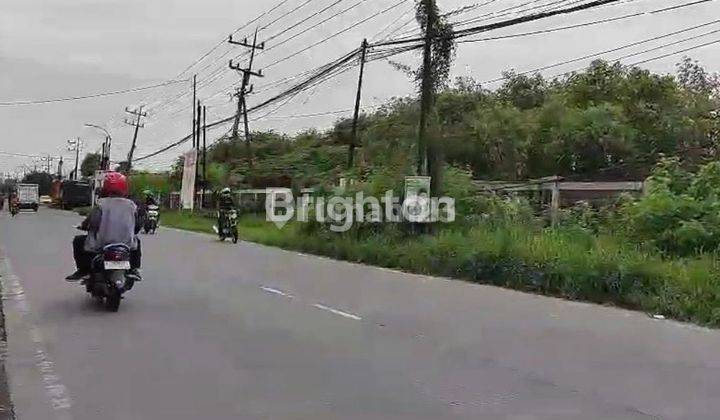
<point>60,48</point>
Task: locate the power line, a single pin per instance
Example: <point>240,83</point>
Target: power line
<point>222,42</point>
<point>322,41</point>
<point>319,76</point>
<point>510,22</point>
<point>19,154</point>
<point>222,70</point>
<point>578,25</point>
<point>675,53</point>
<point>90,96</point>
<point>622,47</point>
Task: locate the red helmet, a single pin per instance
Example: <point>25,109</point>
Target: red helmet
<point>115,184</point>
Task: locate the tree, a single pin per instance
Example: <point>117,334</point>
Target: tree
<point>90,164</point>
<point>43,179</point>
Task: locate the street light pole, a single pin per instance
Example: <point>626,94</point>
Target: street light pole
<point>74,145</point>
<point>105,165</point>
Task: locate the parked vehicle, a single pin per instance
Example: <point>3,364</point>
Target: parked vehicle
<point>228,225</point>
<point>151,219</point>
<point>28,196</point>
<point>75,194</point>
<point>45,199</point>
<point>109,279</point>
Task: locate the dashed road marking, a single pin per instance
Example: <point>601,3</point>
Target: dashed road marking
<point>317,305</point>
<point>276,292</point>
<point>337,312</point>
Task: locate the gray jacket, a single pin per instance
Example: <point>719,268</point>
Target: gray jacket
<point>113,221</point>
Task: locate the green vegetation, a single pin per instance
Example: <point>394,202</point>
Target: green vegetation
<point>656,253</point>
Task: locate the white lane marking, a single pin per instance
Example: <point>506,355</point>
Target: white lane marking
<point>56,391</point>
<point>277,292</point>
<point>337,312</point>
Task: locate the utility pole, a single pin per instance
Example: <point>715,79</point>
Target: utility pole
<point>353,136</point>
<point>426,87</point>
<point>75,145</point>
<point>194,98</point>
<point>245,89</point>
<point>198,129</point>
<point>48,162</point>
<point>139,114</point>
<point>204,155</point>
<point>60,168</point>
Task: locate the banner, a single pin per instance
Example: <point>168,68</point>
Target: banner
<point>187,193</point>
<point>97,184</point>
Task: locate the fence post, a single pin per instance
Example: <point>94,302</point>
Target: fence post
<point>555,203</point>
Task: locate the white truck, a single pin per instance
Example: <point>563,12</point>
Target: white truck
<point>28,196</point>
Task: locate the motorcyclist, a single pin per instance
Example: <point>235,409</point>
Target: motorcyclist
<point>226,203</point>
<point>114,220</point>
<point>149,198</point>
<point>13,201</point>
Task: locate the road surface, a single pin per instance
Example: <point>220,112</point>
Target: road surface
<point>222,331</point>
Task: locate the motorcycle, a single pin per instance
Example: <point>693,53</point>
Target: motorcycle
<point>228,221</point>
<point>151,219</point>
<point>14,209</point>
<point>109,278</point>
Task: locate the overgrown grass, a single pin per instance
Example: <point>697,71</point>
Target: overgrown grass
<point>569,263</point>
<point>187,221</point>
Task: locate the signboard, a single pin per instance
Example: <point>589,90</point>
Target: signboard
<point>416,206</point>
<point>187,192</point>
<point>97,185</point>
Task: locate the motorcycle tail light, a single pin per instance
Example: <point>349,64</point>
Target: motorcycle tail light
<point>116,255</point>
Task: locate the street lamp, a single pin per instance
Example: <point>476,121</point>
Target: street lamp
<point>75,145</point>
<point>105,165</point>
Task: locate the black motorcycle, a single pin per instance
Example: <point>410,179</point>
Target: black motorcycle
<point>109,278</point>
<point>228,225</point>
<point>150,224</point>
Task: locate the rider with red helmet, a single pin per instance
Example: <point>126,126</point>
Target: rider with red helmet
<point>114,220</point>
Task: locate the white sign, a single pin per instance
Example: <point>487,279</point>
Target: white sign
<point>187,192</point>
<point>417,199</point>
<point>97,185</point>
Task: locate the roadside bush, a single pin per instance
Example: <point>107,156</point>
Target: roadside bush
<point>680,214</point>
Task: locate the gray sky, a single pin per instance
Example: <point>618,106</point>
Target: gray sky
<point>59,48</point>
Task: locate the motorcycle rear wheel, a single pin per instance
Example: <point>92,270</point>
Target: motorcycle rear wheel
<point>112,301</point>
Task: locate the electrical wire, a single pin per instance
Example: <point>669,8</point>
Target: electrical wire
<point>622,47</point>
<point>90,96</point>
<point>322,41</point>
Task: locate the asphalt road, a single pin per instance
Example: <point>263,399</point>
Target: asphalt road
<point>222,331</point>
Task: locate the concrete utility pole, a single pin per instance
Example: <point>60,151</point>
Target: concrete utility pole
<point>204,155</point>
<point>197,132</point>
<point>75,145</point>
<point>47,162</point>
<point>194,99</point>
<point>138,114</point>
<point>356,115</point>
<point>426,87</point>
<point>245,89</point>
